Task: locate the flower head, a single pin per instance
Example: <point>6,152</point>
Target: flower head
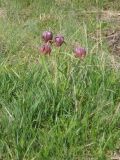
<point>47,36</point>
<point>59,40</point>
<point>79,52</point>
<point>45,49</point>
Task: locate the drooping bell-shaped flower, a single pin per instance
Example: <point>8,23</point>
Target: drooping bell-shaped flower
<point>45,49</point>
<point>47,36</point>
<point>79,52</point>
<point>59,40</point>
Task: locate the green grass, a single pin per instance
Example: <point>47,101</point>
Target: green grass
<point>57,107</point>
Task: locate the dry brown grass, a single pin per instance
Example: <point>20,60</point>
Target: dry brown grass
<point>2,13</point>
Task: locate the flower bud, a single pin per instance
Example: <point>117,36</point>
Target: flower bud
<point>59,40</point>
<point>47,36</point>
<point>45,49</point>
<point>79,52</point>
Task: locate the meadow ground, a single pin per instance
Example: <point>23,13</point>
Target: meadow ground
<point>58,107</point>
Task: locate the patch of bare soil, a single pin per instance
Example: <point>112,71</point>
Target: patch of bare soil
<point>110,35</point>
<point>113,41</point>
<point>110,16</point>
<point>116,155</point>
